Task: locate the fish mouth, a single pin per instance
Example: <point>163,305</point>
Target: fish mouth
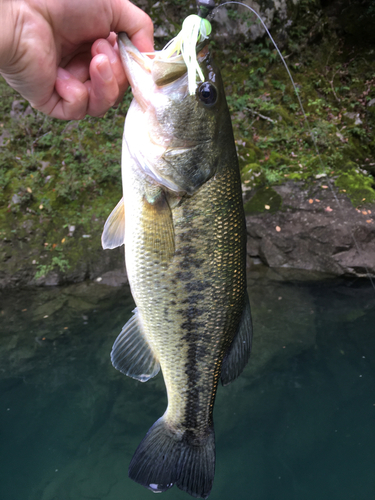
<point>137,67</point>
<point>147,72</point>
<point>148,76</point>
<point>128,50</point>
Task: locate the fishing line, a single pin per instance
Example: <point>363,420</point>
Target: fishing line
<point>324,168</point>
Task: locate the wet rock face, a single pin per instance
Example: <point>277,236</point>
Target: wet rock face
<point>314,231</point>
<point>21,257</point>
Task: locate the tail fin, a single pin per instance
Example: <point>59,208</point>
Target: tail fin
<point>164,458</point>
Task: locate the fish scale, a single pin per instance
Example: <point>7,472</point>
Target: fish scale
<point>218,282</point>
<point>166,296</point>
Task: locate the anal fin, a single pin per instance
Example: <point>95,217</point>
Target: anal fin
<point>131,353</point>
<point>239,352</point>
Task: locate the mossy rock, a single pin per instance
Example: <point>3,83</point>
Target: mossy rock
<point>359,188</point>
<point>250,154</point>
<point>252,175</point>
<point>265,200</point>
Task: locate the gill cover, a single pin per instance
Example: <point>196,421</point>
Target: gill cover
<point>171,134</point>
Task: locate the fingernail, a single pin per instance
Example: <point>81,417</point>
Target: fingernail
<point>62,74</point>
<point>104,48</point>
<point>105,69</point>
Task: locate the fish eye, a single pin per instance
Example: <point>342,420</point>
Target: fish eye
<point>207,93</point>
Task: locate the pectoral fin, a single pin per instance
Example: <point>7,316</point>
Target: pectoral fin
<point>238,354</point>
<point>131,353</point>
<point>158,224</point>
<point>114,229</point>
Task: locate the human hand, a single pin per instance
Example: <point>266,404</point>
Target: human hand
<point>62,56</point>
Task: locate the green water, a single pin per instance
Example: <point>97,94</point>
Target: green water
<point>299,424</point>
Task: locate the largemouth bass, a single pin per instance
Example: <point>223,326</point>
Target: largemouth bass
<point>183,225</point>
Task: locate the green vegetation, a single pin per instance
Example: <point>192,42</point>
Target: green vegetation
<point>275,143</point>
<point>56,262</point>
<point>56,175</point>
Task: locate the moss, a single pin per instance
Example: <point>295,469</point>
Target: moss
<point>361,188</point>
<point>252,175</point>
<point>265,200</point>
<point>335,92</point>
<point>54,175</point>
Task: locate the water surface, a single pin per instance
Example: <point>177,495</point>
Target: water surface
<point>299,424</point>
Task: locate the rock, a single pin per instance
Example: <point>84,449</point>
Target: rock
<point>44,165</point>
<point>20,260</point>
<point>4,137</point>
<point>303,229</point>
<point>161,32</point>
<point>239,20</point>
<point>315,233</point>
<point>16,199</point>
<point>18,110</point>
